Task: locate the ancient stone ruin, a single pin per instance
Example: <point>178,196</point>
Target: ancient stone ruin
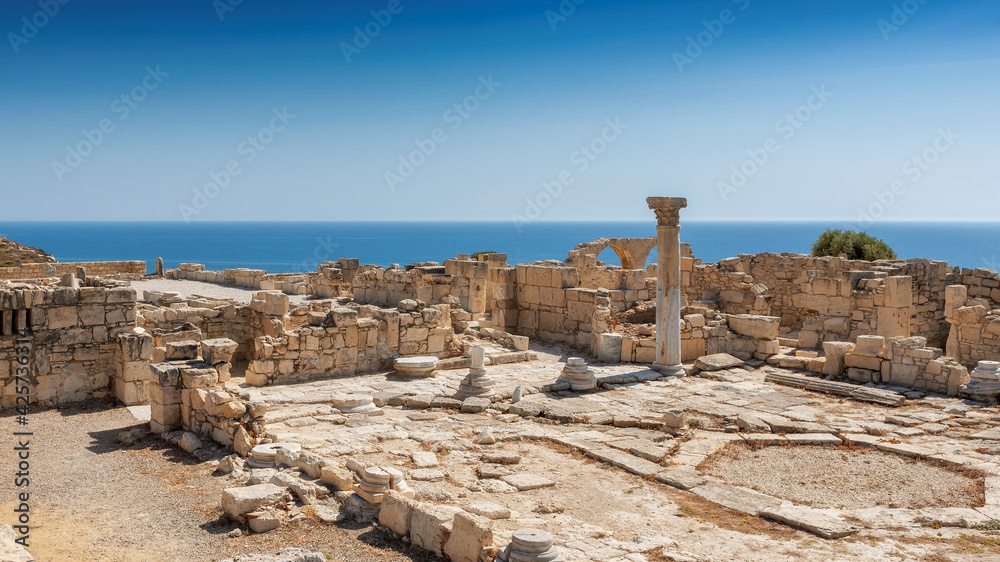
<point>486,410</point>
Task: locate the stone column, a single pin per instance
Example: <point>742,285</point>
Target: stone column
<point>668,291</point>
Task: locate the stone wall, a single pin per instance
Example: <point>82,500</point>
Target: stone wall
<point>214,319</point>
<point>459,281</point>
<point>975,326</point>
<point>816,294</point>
<point>347,341</point>
<point>73,339</point>
<point>101,268</point>
<point>900,361</point>
<point>288,283</point>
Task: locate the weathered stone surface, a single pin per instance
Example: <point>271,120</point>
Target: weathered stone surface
<point>488,510</point>
<point>11,551</point>
<point>239,501</point>
<point>811,520</point>
<point>736,497</point>
<point>218,350</point>
<point>428,526</point>
<point>756,327</point>
<point>525,482</point>
<point>396,511</point>
<point>717,362</point>
<point>182,350</point>
<point>470,534</point>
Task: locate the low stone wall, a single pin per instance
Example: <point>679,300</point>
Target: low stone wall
<point>288,283</point>
<point>101,268</point>
<point>347,341</point>
<point>901,361</point>
<point>72,335</point>
<point>462,282</point>
<point>975,326</point>
<point>704,332</point>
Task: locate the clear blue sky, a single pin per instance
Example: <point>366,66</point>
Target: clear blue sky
<point>548,84</point>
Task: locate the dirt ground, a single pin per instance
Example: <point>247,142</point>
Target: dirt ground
<point>841,477</point>
<point>94,499</point>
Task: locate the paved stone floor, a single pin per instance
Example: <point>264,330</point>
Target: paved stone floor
<point>598,470</point>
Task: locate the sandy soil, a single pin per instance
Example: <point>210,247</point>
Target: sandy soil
<point>844,478</point>
<point>93,499</point>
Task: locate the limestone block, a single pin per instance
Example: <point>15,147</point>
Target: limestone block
<point>182,350</point>
<point>337,476</point>
<point>894,322</point>
<point>239,501</point>
<point>275,303</point>
<point>717,362</point>
<point>199,375</point>
<point>870,345</point>
<point>835,353</point>
<point>808,339</point>
<point>396,512</point>
<point>860,375</point>
<point>955,297</point>
<point>898,292</point>
<point>863,362</point>
<point>61,317</point>
<point>470,534</point>
<point>168,416</point>
<point>756,327</point>
<point>218,350</point>
<point>609,347</point>
<point>429,526</point>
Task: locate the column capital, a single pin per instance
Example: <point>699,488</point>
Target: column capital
<point>667,209</point>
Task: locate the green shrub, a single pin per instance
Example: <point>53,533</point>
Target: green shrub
<point>476,255</point>
<point>857,245</point>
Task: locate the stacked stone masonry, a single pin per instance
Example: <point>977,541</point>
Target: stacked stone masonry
<point>99,268</point>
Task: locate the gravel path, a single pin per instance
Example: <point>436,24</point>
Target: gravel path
<point>190,288</point>
<point>841,478</point>
<point>93,499</point>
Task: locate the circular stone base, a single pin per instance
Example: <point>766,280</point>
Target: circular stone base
<point>415,367</point>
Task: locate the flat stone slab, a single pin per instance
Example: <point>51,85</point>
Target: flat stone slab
<point>426,475</point>
<point>488,510</point>
<point>736,498</point>
<point>810,520</point>
<point>814,439</point>
<point>683,479</point>
<point>717,362</point>
<point>424,459</point>
<point>989,434</point>
<point>500,457</point>
<point>525,482</point>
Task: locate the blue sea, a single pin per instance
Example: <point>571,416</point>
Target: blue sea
<point>281,247</point>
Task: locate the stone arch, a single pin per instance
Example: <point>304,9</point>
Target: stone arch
<point>631,252</point>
